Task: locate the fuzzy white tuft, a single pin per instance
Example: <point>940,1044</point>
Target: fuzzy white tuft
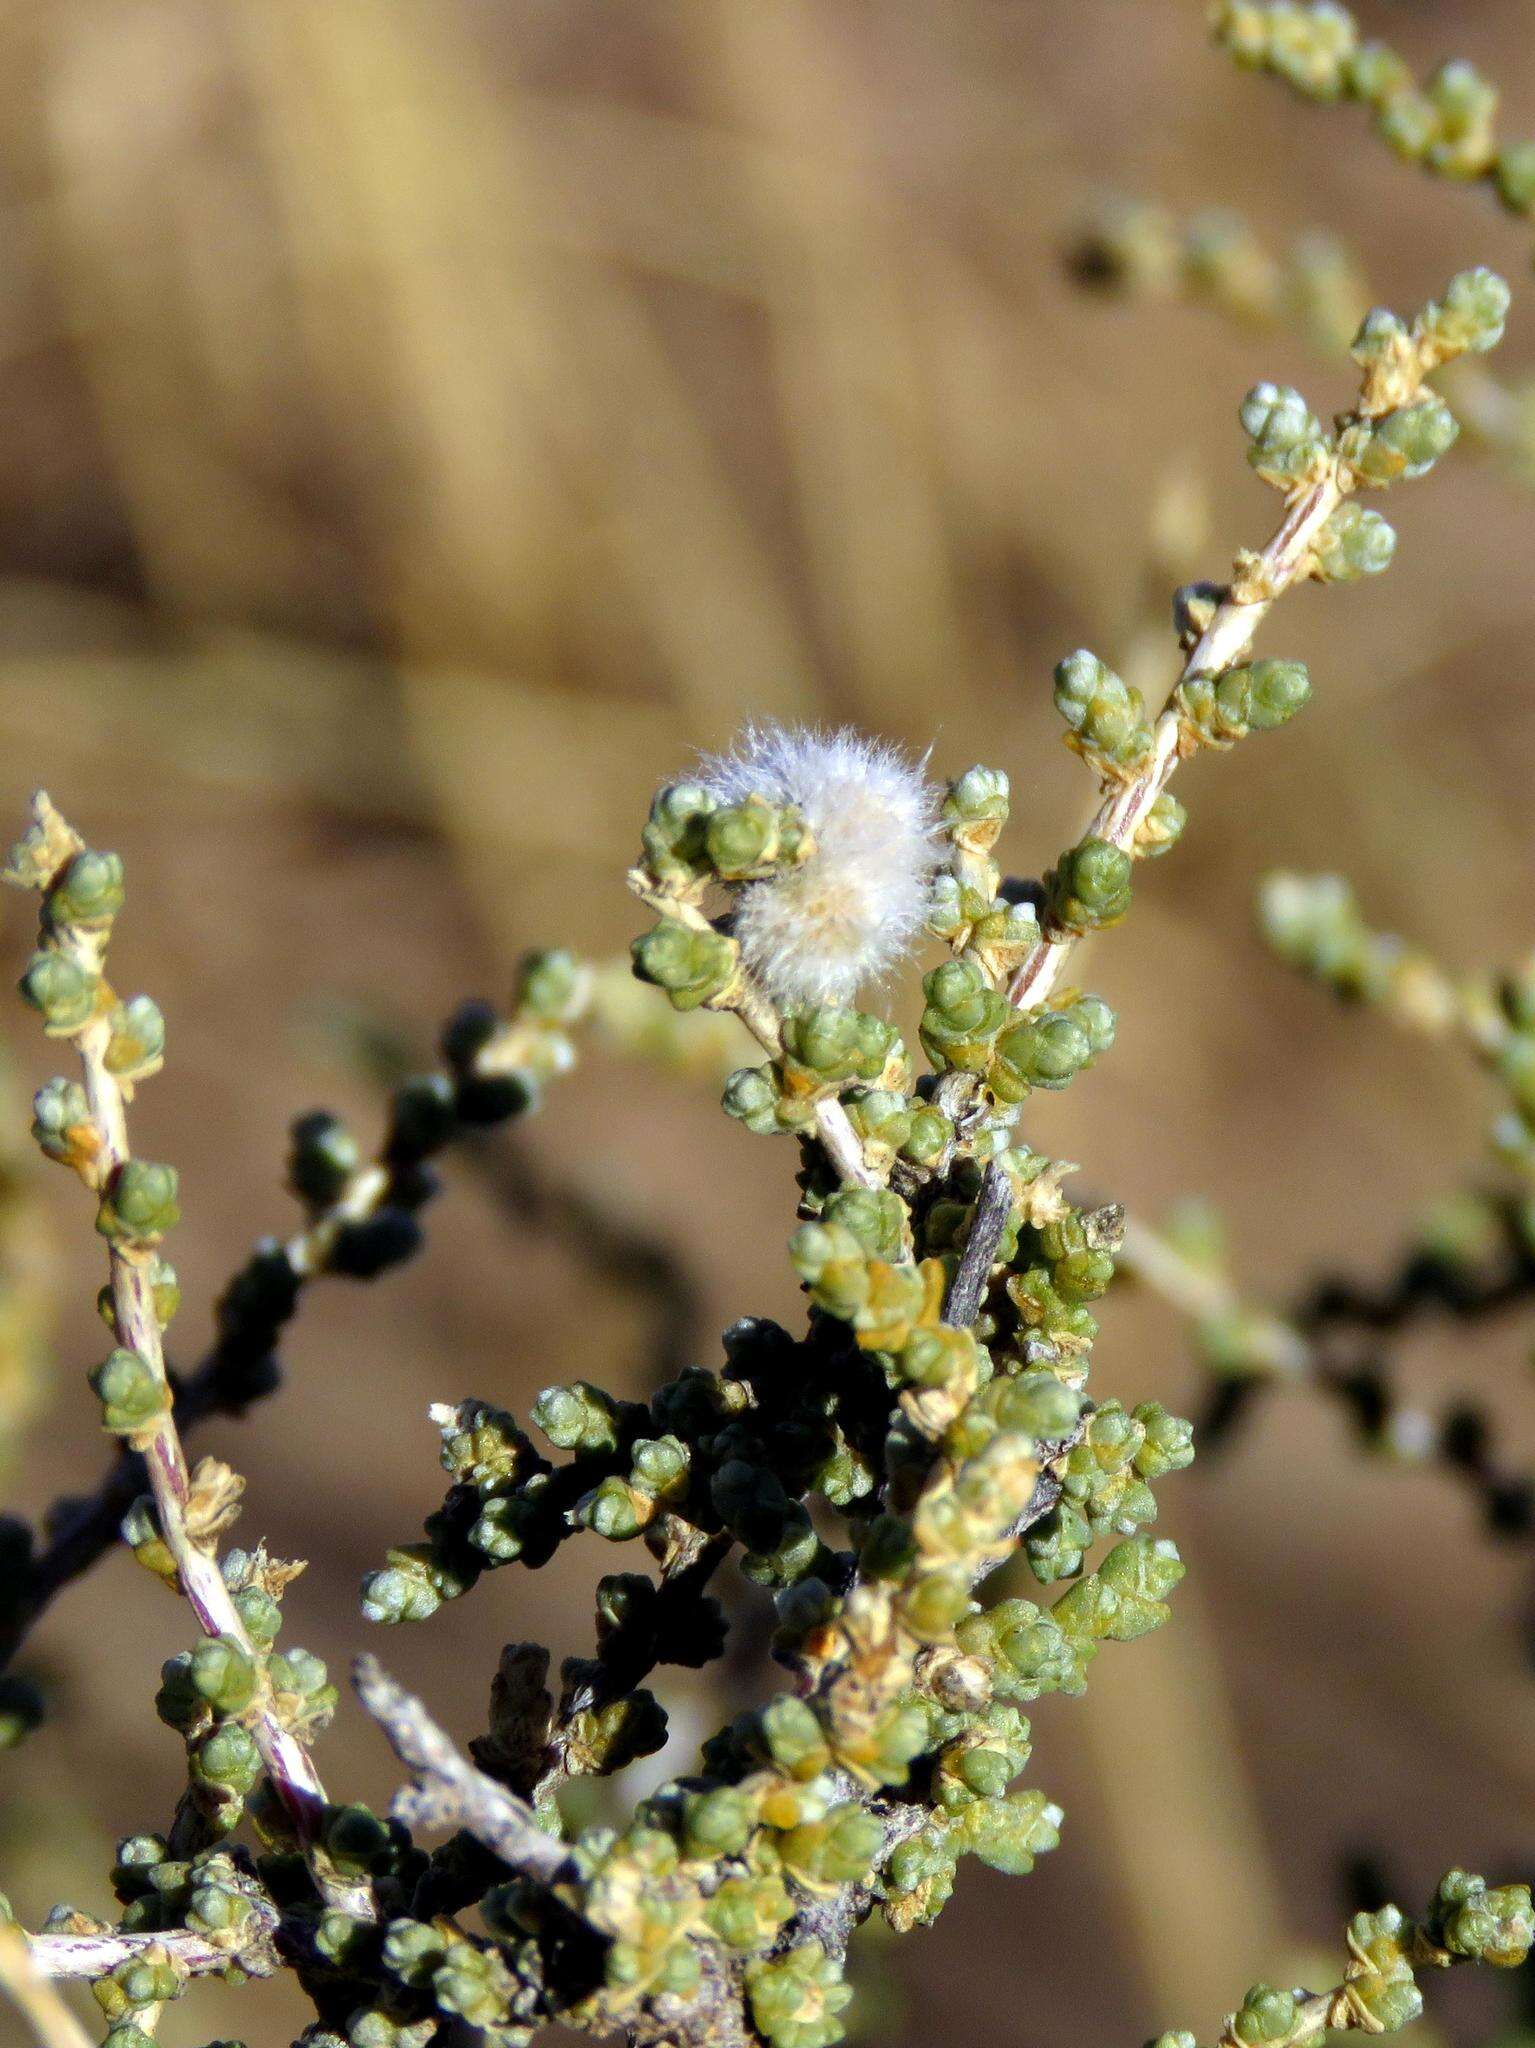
<point>817,932</point>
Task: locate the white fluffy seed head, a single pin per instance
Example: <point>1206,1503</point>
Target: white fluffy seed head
<point>817,932</point>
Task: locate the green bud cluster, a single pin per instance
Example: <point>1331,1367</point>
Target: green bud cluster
<point>133,1395</point>
<point>82,892</point>
<point>1257,697</point>
<point>976,806</point>
<point>136,1985</point>
<point>795,1998</point>
<point>1051,1047</point>
<point>693,965</point>
<point>747,840</point>
<point>826,1047</point>
<point>136,1045</point>
<point>691,839</point>
<point>895,1126</point>
<point>975,921</point>
<point>1105,1484</point>
<point>964,1017</point>
<point>1406,442</point>
<point>62,1126</point>
<point>1060,1266</point>
<point>62,990</point>
<point>970,1027</point>
<point>1483,1923</point>
<point>1288,445</point>
<point>823,1051</point>
<point>880,1298</point>
<point>1470,318</point>
<point>211,1893</point>
<point>691,844</point>
<point>968,906</point>
<point>1308,43</point>
<point>1089,887</point>
<point>138,1204</point>
<point>1105,717</point>
<point>494,1512</point>
<point>1355,542</point>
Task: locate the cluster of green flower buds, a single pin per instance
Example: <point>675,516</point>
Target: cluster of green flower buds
<point>1288,444</point>
<point>691,838</point>
<point>1468,320</point>
<point>1105,1484</point>
<point>1106,718</point>
<point>693,964</point>
<point>121,1043</point>
<point>692,842</point>
<point>1308,43</point>
<point>714,1452</point>
<point>967,906</point>
<point>133,1395</point>
<point>1061,1266</point>
<point>868,1285</point>
<point>1013,1652</point>
<point>207,1694</point>
<point>1255,697</point>
<point>82,893</point>
<point>139,1204</point>
<point>495,1511</point>
<point>1405,443</point>
<point>141,1984</point>
<point>896,1126</point>
<point>1089,887</point>
<point>795,1998</point>
<point>1399,430</point>
<point>211,1893</point>
<point>1051,1046</point>
<point>1356,541</point>
<point>970,1027</point>
<point>823,1050</point>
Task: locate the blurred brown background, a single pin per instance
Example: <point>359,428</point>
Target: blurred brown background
<point>424,421</point>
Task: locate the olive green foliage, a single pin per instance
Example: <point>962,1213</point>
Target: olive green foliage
<point>1446,123</point>
<point>927,1428</point>
<point>1467,1920</point>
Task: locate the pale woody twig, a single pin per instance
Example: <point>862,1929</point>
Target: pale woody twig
<point>97,1955</point>
<point>287,1762</point>
<point>448,1791</point>
<point>992,1211</point>
<point>1392,380</point>
<point>27,1985</point>
<point>1285,561</point>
